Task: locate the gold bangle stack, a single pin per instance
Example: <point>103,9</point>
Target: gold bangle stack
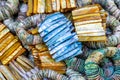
<point>10,47</point>
<point>44,60</point>
<point>50,6</point>
<point>90,23</point>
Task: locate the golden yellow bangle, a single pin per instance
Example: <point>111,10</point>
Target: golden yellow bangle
<point>4,37</point>
<point>8,46</point>
<point>86,10</point>
<point>4,32</point>
<point>23,64</point>
<point>41,47</point>
<point>6,42</point>
<point>68,4</point>
<point>23,58</point>
<point>10,51</point>
<point>7,59</point>
<point>35,6</point>
<point>92,38</point>
<point>30,7</point>
<point>87,15</point>
<point>48,7</point>
<point>34,31</point>
<point>2,26</point>
<point>19,53</point>
<point>41,6</point>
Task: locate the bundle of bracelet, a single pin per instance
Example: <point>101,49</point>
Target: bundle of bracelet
<point>49,6</point>
<point>90,23</point>
<point>52,30</point>
<point>25,24</point>
<point>20,69</point>
<point>76,64</point>
<point>71,75</point>
<point>44,60</point>
<point>105,56</point>
<point>8,8</point>
<point>10,47</point>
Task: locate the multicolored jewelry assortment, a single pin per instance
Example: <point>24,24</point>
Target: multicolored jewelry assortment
<point>51,37</point>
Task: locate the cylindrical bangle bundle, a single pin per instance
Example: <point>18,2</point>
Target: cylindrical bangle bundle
<point>8,9</point>
<point>50,6</point>
<point>52,30</point>
<point>76,64</point>
<point>10,47</point>
<point>44,60</point>
<point>21,28</point>
<point>95,72</point>
<point>90,23</point>
<point>72,75</point>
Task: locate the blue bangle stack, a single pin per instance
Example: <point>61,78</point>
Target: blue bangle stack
<point>57,32</point>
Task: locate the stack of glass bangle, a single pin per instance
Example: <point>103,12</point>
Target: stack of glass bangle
<point>90,23</point>
<point>52,30</point>
<point>50,6</point>
<point>44,60</point>
<point>10,46</point>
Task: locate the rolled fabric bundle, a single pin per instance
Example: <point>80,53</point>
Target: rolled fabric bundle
<point>113,40</point>
<point>9,8</point>
<point>52,30</point>
<point>73,75</point>
<point>10,47</point>
<point>76,64</point>
<point>49,74</point>
<point>109,71</point>
<point>21,28</point>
